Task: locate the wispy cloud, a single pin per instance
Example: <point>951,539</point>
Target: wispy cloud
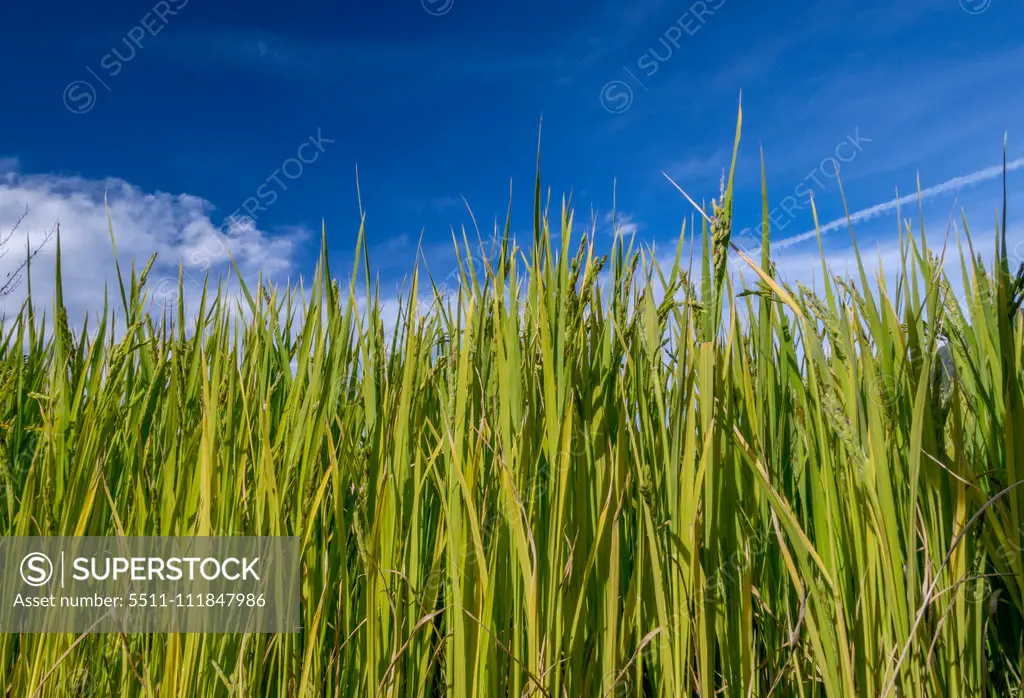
<point>372,62</point>
<point>620,223</point>
<point>699,168</point>
<point>443,203</point>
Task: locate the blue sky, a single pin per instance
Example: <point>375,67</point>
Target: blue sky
<point>184,112</point>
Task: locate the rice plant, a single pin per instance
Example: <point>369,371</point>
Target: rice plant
<point>580,474</point>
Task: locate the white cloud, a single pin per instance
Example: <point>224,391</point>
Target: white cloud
<point>177,227</point>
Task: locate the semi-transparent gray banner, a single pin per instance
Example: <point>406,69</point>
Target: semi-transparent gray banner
<point>149,585</point>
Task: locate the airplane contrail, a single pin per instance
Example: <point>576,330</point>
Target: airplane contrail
<point>878,209</point>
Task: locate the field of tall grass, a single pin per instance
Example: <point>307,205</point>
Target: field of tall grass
<point>576,475</point>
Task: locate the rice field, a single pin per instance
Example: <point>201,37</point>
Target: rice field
<point>573,475</point>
